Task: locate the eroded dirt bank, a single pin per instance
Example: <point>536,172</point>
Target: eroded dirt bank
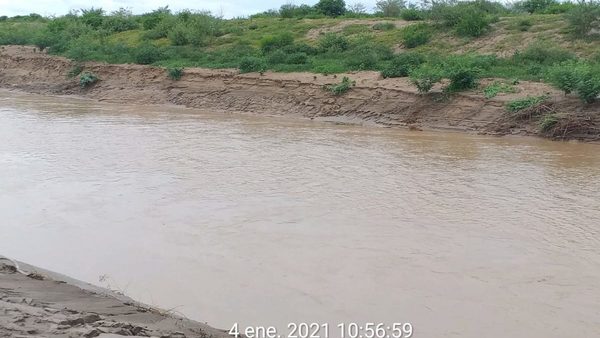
<point>387,102</point>
<point>43,304</point>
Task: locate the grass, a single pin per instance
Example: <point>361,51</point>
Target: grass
<point>340,88</point>
<point>518,105</point>
<point>175,73</point>
<point>496,88</point>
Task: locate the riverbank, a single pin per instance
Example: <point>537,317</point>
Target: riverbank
<point>372,100</point>
<point>39,303</point>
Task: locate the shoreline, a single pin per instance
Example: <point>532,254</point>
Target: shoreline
<point>392,103</point>
<point>41,303</point>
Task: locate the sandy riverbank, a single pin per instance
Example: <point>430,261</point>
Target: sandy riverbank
<point>39,303</point>
<point>377,101</point>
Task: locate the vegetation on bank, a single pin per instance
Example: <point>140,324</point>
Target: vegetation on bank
<point>461,42</point>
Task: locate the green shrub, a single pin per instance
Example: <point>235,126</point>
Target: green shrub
<point>175,73</point>
<point>331,7</point>
<point>250,64</point>
<point>559,8</point>
<point>87,79</point>
<point>119,21</point>
<point>412,14</point>
<point>588,87</point>
<point>536,6</point>
<point>402,64</point>
<point>178,35</point>
<point>389,8</point>
<point>272,42</point>
<point>281,57</point>
<point>92,17</point>
<point>472,24</point>
<point>496,88</point>
<point>340,88</point>
<point>566,76</point>
<point>152,19</point>
<point>416,35</point>
<point>462,77</point>
<point>74,71</point>
<point>543,53</point>
<point>525,103</point>
<point>384,26</point>
<point>524,24</point>
<point>332,42</point>
<point>584,18</point>
<point>469,18</point>
<point>425,77</point>
<point>293,11</point>
<point>361,59</point>
<point>148,54</point>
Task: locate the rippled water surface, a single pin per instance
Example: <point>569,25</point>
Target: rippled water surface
<point>262,221</point>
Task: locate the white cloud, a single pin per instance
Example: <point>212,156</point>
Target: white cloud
<point>229,8</point>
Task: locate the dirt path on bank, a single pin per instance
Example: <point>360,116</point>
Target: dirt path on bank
<point>373,100</point>
<point>36,303</point>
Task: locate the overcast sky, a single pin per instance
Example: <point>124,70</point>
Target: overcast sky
<point>228,8</point>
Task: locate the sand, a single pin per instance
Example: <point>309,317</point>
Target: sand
<point>39,303</point>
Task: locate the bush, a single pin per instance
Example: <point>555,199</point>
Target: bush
<point>331,7</point>
<point>463,77</point>
<point>524,24</point>
<point>588,87</point>
<point>152,19</point>
<point>559,8</point>
<point>361,59</point>
<point>402,64</point>
<point>293,11</point>
<point>390,8</point>
<point>412,14</point>
<point>425,77</point>
<point>416,35</point>
<point>147,54</point>
<point>543,53</point>
<point>340,88</point>
<point>584,18</point>
<point>272,42</point>
<point>470,18</point>
<point>535,6</point>
<point>472,24</point>
<point>175,74</point>
<point>92,17</point>
<point>119,21</point>
<point>566,76</point>
<point>332,42</point>
<point>384,26</point>
<point>250,64</point>
<point>87,79</point>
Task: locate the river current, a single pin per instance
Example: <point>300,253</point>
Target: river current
<point>267,220</point>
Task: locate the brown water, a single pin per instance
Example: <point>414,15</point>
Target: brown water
<point>263,221</point>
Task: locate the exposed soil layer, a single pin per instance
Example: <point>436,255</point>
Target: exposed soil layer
<point>373,100</point>
<point>36,303</point>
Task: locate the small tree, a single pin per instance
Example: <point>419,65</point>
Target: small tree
<point>357,8</point>
<point>331,7</point>
<point>584,18</point>
<point>390,8</point>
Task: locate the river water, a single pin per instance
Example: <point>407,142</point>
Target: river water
<point>266,220</point>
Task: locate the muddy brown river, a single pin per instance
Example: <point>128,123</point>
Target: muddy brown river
<point>266,220</point>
